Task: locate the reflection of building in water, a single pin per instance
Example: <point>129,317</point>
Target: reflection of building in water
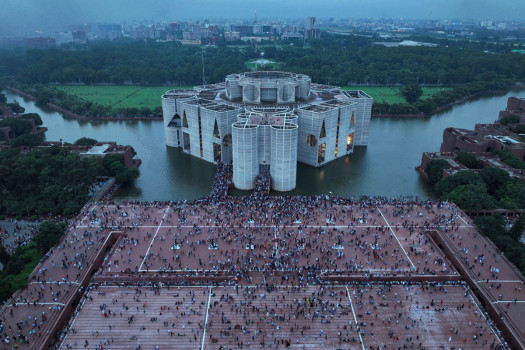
<point>267,119</point>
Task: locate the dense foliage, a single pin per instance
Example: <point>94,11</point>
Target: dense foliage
<point>506,240</point>
<point>510,159</point>
<point>344,60</point>
<point>510,119</point>
<point>49,234</point>
<point>468,160</point>
<point>339,60</point>
<point>21,263</point>
<point>411,92</point>
<point>434,170</point>
<point>491,188</point>
<point>17,269</point>
<point>15,107</point>
<point>53,181</point>
<point>85,141</point>
<point>18,125</point>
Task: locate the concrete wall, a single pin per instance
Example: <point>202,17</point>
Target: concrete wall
<point>283,165</point>
<point>245,155</point>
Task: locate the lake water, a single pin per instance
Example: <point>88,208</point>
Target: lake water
<point>386,167</point>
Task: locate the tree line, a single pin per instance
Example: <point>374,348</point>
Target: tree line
<point>338,60</point>
<point>19,265</point>
<point>53,181</point>
<point>485,188</point>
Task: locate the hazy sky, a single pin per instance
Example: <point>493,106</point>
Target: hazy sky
<point>53,14</point>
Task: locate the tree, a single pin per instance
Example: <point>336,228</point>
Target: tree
<point>4,255</point>
<point>491,226</point>
<point>3,98</point>
<point>85,141</point>
<point>411,92</point>
<point>494,178</point>
<point>464,177</point>
<point>516,231</point>
<point>512,194</point>
<point>434,170</point>
<point>16,108</point>
<point>31,140</point>
<point>35,116</point>
<point>468,160</point>
<point>471,197</point>
<point>49,234</point>
<point>19,126</point>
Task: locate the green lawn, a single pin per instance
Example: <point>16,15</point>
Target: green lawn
<point>390,94</point>
<point>149,96</point>
<point>120,96</point>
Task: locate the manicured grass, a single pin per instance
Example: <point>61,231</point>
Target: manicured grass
<point>390,94</point>
<point>120,96</point>
<point>149,96</point>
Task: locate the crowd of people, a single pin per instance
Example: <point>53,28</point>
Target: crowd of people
<point>14,233</point>
<point>277,251</point>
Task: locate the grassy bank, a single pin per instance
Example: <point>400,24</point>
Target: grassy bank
<point>149,96</point>
<point>391,95</point>
<point>116,97</point>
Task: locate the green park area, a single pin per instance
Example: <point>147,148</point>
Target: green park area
<point>391,94</point>
<point>149,96</point>
<point>117,96</point>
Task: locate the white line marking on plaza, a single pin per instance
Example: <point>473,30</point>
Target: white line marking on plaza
<point>508,301</point>
<point>192,270</point>
<point>53,303</point>
<point>153,240</point>
<point>267,226</point>
<point>355,319</point>
<point>276,246</point>
<point>466,223</point>
<point>482,313</point>
<point>85,217</point>
<point>404,251</point>
<point>54,282</point>
<point>78,309</point>
<point>498,281</point>
<point>206,320</point>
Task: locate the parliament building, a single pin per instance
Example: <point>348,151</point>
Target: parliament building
<point>267,119</point>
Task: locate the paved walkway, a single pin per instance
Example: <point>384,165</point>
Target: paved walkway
<point>272,257</point>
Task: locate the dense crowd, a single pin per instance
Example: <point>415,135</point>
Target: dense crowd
<point>264,243</point>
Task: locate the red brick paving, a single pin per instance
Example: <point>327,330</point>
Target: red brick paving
<point>295,242</point>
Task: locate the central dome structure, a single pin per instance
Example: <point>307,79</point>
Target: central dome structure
<point>268,87</point>
<point>267,119</point>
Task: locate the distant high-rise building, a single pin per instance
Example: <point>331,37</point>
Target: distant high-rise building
<point>310,23</point>
<point>311,32</point>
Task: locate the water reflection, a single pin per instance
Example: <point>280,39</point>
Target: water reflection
<point>385,167</point>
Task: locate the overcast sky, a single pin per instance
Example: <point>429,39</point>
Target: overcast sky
<point>53,14</point>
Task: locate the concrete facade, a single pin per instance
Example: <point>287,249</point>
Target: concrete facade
<point>267,118</point>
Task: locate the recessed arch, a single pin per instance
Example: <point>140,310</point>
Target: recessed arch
<point>311,140</point>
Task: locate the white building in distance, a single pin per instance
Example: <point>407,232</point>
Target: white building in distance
<point>266,119</point>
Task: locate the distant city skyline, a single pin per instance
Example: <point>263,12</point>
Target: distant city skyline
<point>48,15</point>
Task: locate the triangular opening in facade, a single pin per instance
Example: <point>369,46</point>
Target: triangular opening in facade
<point>352,121</point>
<point>323,131</point>
<point>216,130</point>
<point>184,120</point>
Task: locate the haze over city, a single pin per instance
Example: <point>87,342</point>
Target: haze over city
<point>51,15</point>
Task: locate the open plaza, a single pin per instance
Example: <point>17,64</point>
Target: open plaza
<point>269,272</point>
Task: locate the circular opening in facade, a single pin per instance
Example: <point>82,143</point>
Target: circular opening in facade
<point>227,140</point>
<point>311,140</point>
